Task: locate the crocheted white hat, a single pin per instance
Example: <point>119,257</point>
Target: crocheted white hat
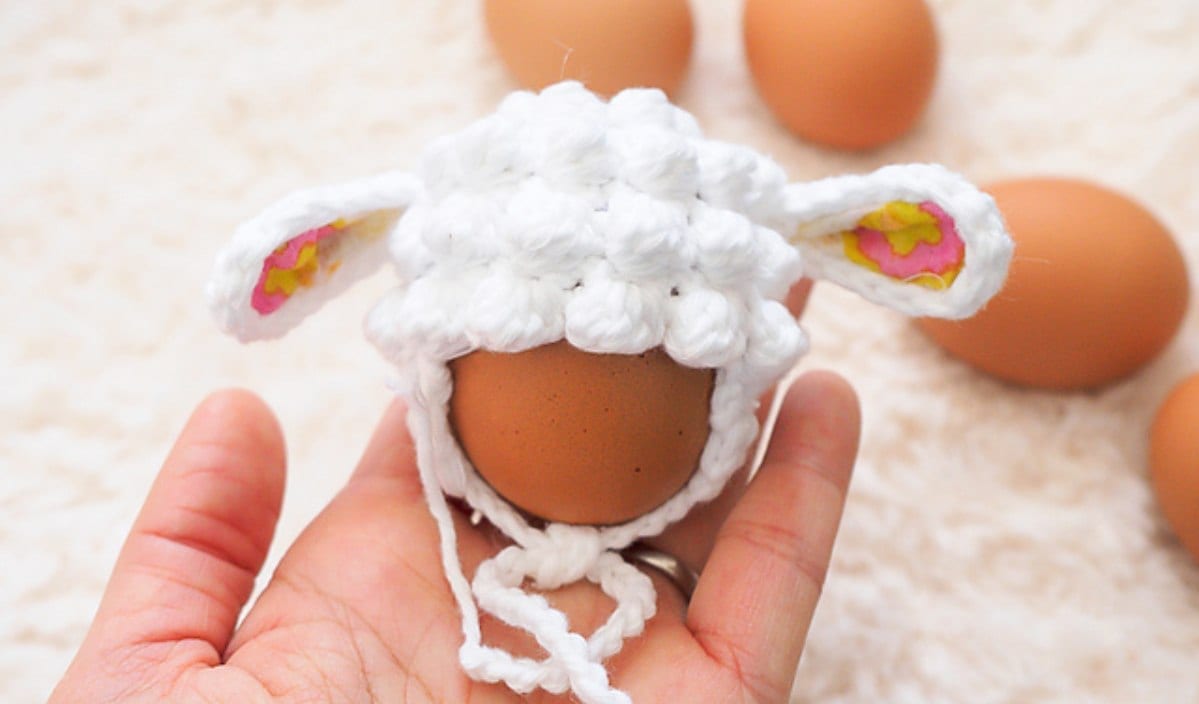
<point>618,228</point>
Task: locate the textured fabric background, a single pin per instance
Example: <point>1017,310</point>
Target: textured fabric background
<point>1000,544</point>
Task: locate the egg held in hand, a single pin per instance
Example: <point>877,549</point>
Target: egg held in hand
<point>578,437</point>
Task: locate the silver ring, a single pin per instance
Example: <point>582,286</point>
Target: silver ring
<point>679,574</point>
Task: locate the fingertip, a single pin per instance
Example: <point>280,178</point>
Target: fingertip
<point>232,433</point>
<point>227,466</point>
<point>827,393</point>
<point>190,561</point>
<point>258,429</point>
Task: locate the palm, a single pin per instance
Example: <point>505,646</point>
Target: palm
<point>359,610</point>
<point>406,642</point>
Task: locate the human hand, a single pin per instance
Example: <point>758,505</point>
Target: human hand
<point>359,610</point>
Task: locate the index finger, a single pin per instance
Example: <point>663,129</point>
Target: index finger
<point>755,599</point>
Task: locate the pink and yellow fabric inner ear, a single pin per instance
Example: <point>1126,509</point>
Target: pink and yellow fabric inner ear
<point>911,242</point>
<point>293,265</point>
<point>300,261</point>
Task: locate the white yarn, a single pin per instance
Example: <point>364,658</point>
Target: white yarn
<point>239,265</point>
<point>835,204</point>
<point>619,228</point>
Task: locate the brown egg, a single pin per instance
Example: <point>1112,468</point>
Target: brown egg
<point>851,74</point>
<point>1096,289</point>
<point>1174,462</point>
<point>577,437</point>
<point>609,45</point>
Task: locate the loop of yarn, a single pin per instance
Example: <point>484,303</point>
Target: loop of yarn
<point>574,662</point>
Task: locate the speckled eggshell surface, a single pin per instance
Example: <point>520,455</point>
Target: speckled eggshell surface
<point>578,437</point>
<point>1098,287</point>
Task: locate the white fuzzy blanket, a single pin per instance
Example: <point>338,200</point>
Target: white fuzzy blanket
<point>1000,545</point>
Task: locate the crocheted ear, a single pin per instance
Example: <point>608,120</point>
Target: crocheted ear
<point>302,251</point>
<point>917,238</point>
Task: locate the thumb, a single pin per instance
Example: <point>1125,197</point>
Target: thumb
<point>191,558</point>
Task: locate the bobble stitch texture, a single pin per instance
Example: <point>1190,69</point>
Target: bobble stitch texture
<point>618,227</point>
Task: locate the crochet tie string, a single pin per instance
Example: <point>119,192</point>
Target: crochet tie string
<point>560,555</point>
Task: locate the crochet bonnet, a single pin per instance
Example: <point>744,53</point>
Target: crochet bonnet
<point>617,227</point>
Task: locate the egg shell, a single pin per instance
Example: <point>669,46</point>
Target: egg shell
<point>852,74</point>
<point>608,45</point>
<point>579,437</point>
<point>1097,288</point>
<point>1174,462</point>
